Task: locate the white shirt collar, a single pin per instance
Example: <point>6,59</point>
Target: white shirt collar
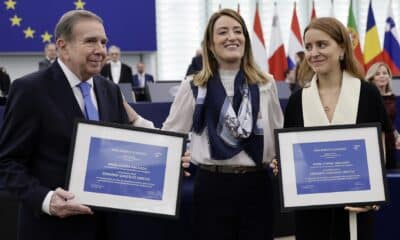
<point>71,77</point>
<point>117,63</point>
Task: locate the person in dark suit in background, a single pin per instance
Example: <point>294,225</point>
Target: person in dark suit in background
<point>196,65</point>
<point>115,70</point>
<point>4,85</point>
<point>50,52</point>
<point>36,134</point>
<point>140,79</point>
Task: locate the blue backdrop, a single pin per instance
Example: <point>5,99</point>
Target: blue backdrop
<point>131,25</point>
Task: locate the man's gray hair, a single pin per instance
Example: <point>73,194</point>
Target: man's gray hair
<point>67,22</point>
<point>113,47</point>
<point>49,44</point>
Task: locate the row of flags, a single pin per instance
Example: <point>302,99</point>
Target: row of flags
<point>278,62</point>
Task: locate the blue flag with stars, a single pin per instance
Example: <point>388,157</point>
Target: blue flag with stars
<point>28,25</point>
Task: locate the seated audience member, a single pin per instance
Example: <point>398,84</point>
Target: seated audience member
<point>297,83</point>
<point>292,75</point>
<point>380,75</point>
<point>140,79</point>
<point>291,79</point>
<point>196,65</point>
<point>50,52</point>
<point>115,70</point>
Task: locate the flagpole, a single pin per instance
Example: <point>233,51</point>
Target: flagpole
<point>313,11</point>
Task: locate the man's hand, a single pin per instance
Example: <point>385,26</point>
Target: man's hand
<point>62,205</point>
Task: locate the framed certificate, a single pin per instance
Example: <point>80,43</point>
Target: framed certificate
<point>123,168</point>
<point>331,166</point>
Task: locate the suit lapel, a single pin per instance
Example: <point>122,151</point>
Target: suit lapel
<point>109,72</point>
<point>102,98</point>
<point>60,90</point>
<point>122,73</point>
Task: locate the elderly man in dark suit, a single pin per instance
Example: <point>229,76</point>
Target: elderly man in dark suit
<point>50,52</point>
<point>38,124</point>
<point>115,70</point>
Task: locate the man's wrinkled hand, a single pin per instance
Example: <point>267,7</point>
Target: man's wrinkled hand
<point>62,205</point>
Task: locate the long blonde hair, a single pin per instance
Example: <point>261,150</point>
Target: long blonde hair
<point>374,69</point>
<point>252,73</point>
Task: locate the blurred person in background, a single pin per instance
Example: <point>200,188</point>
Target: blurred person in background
<point>380,75</point>
<point>196,65</point>
<point>140,80</point>
<point>114,69</point>
<point>50,52</point>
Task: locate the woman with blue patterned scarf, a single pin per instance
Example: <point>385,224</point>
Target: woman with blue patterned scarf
<point>232,109</point>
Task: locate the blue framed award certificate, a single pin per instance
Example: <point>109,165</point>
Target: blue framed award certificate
<point>123,168</point>
<point>331,166</point>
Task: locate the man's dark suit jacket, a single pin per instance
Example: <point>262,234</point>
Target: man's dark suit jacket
<point>45,63</point>
<point>147,78</point>
<point>35,143</point>
<point>126,73</point>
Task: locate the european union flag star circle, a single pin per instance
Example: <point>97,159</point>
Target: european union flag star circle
<point>27,25</point>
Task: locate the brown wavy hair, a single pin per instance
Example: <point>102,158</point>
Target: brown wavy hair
<point>338,32</point>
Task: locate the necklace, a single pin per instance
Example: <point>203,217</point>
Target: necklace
<point>326,100</point>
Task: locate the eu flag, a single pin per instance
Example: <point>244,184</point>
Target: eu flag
<point>27,25</point>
